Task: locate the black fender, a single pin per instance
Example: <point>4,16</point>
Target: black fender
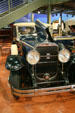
<point>15,79</point>
<point>14,63</point>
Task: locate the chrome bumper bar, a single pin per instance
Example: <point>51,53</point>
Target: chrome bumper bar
<point>42,91</point>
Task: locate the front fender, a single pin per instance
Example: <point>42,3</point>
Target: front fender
<point>14,62</point>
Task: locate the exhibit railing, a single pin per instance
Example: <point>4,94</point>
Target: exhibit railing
<point>8,5</point>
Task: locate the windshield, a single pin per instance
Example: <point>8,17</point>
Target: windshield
<point>32,34</point>
<point>26,30</point>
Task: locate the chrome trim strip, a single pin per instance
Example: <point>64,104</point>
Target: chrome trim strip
<point>42,91</point>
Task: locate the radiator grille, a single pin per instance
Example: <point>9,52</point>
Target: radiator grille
<point>48,59</point>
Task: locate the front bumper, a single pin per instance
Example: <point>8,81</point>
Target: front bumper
<point>42,91</point>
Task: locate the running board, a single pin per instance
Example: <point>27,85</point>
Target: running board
<point>42,91</point>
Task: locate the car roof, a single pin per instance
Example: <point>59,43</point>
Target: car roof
<point>28,24</point>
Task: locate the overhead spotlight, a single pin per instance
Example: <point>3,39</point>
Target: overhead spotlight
<point>38,12</point>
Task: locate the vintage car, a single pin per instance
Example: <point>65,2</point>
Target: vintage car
<point>38,64</point>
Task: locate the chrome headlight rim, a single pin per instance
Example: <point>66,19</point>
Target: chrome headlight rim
<point>33,57</point>
<point>64,55</point>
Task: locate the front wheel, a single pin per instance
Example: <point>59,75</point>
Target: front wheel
<point>16,97</point>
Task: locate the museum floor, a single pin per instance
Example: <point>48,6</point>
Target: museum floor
<point>57,103</point>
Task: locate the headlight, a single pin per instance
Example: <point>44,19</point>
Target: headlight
<point>64,55</point>
<point>33,57</point>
